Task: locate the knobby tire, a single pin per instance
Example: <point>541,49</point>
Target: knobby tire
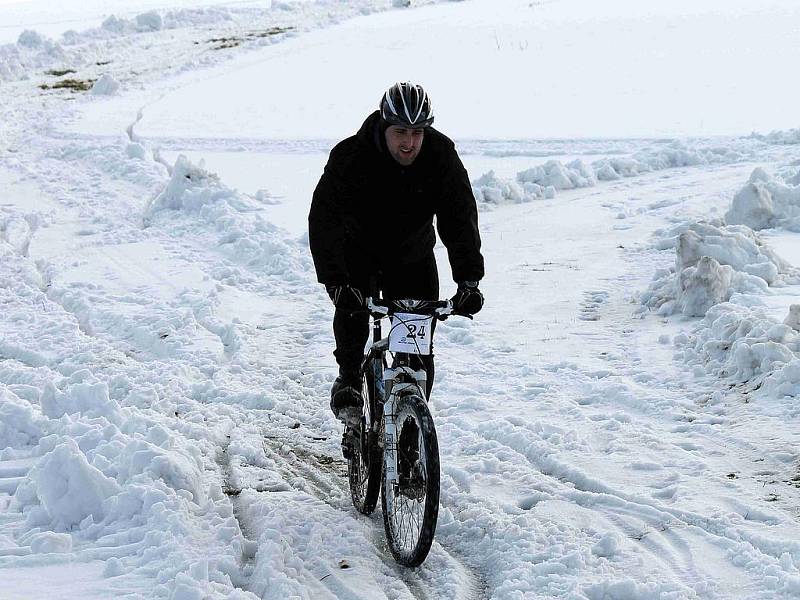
<point>410,520</point>
<point>365,462</point>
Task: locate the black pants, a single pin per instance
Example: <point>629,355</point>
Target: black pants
<point>419,281</point>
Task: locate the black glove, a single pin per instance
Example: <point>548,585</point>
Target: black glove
<point>346,297</point>
<point>468,299</point>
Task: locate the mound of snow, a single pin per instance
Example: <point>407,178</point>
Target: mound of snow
<point>712,263</point>
<point>703,285</point>
<point>20,424</point>
<point>114,24</point>
<point>155,21</point>
<point>106,85</point>
<point>245,235</point>
<point>492,190</point>
<point>32,52</point>
<point>743,344</point>
<point>562,177</point>
<point>543,180</point>
<point>734,245</point>
<point>793,318</point>
<point>84,395</point>
<point>789,136</point>
<point>657,158</point>
<point>67,487</point>
<point>30,39</point>
<point>767,201</point>
<point>190,188</point>
<point>149,21</point>
<point>48,542</point>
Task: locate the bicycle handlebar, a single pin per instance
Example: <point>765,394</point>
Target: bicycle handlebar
<point>441,309</point>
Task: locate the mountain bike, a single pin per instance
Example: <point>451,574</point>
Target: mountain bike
<point>393,452</point>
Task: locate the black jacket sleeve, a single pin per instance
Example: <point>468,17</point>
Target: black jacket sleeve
<point>326,227</point>
<point>457,221</point>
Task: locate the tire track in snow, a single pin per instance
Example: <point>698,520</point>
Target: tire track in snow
<point>656,527</point>
<point>659,525</point>
<point>250,546</point>
<point>322,486</point>
<point>324,478</point>
<point>679,540</point>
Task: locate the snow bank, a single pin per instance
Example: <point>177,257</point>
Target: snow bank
<point>110,459</point>
<point>720,271</point>
<point>85,396</point>
<point>34,52</point>
<point>20,423</point>
<point>149,21</point>
<point>244,235</point>
<point>490,189</point>
<point>767,201</point>
<point>561,177</point>
<point>156,21</point>
<point>542,181</point>
<point>30,54</point>
<point>713,262</point>
<point>744,344</point>
<point>789,137</point>
<point>67,488</point>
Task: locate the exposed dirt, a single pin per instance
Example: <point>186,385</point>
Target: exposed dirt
<point>59,72</point>
<point>74,85</point>
<point>221,43</point>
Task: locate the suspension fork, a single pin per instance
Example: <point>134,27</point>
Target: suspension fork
<point>390,439</point>
<point>398,381</point>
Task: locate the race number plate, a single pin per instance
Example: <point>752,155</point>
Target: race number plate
<point>410,333</point>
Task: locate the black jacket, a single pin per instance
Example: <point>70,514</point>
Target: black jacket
<point>369,211</point>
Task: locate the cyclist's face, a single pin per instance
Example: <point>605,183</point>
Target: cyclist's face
<point>404,144</point>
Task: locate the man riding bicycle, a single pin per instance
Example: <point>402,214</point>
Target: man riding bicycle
<point>371,221</point>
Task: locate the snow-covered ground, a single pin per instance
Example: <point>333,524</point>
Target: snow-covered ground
<point>619,422</point>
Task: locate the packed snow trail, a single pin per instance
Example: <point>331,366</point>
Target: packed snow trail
<point>165,366</point>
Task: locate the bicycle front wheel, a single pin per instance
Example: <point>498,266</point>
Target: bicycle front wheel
<point>411,504</point>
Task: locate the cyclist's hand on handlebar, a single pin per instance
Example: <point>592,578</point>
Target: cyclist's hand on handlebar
<point>346,297</point>
<point>468,299</point>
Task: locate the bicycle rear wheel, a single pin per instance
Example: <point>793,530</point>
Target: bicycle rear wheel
<point>364,462</point>
<point>411,504</point>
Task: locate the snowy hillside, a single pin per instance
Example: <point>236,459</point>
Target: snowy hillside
<point>622,419</point>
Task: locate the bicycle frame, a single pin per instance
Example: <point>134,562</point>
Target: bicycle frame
<point>393,383</point>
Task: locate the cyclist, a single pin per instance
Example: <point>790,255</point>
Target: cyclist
<point>371,219</point>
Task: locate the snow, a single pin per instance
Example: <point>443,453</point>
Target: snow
<point>620,421</point>
<point>17,15</point>
<point>105,86</point>
<point>579,88</point>
<point>767,201</point>
<point>713,262</point>
<point>68,489</point>
<point>543,181</point>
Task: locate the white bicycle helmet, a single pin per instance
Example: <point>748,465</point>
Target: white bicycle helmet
<point>407,105</point>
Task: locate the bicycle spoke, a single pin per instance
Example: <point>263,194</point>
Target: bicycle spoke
<point>407,513</point>
<point>411,502</point>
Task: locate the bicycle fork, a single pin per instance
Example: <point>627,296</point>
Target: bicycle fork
<point>394,390</point>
